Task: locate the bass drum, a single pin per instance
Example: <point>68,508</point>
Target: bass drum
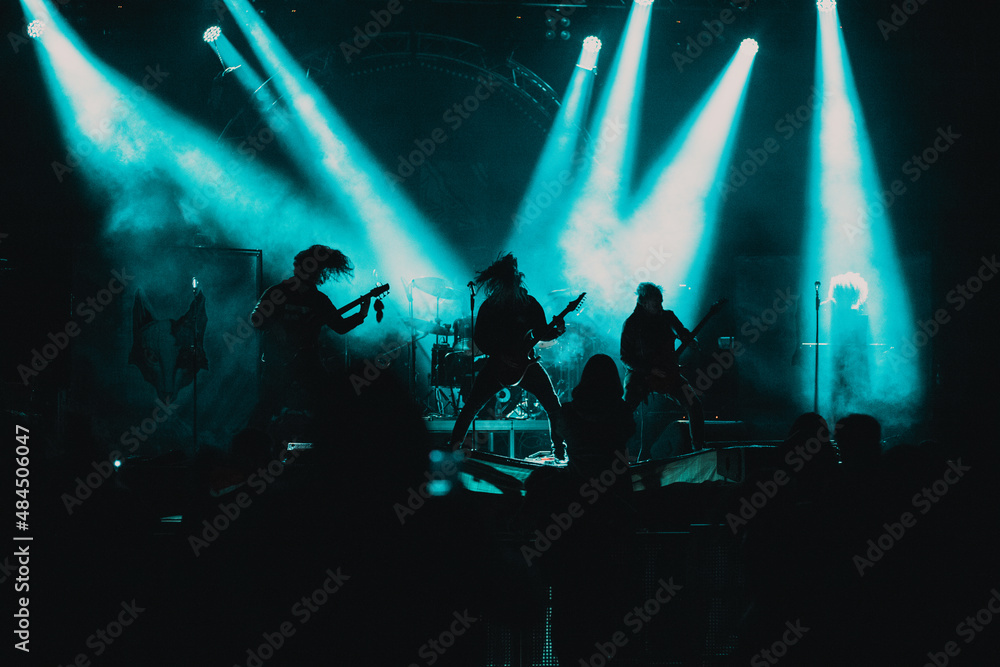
<point>449,367</point>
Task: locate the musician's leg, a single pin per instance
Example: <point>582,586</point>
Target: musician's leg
<point>636,391</point>
<point>537,381</point>
<point>486,386</point>
<point>686,396</point>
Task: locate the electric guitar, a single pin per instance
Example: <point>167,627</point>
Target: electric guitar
<point>281,354</point>
<point>672,369</point>
<point>377,293</point>
<point>514,365</point>
<point>716,307</point>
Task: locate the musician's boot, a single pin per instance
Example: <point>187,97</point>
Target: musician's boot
<point>559,451</point>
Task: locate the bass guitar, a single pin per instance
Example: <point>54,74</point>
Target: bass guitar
<point>715,308</point>
<point>670,377</point>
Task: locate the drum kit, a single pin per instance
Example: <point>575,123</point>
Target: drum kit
<point>453,351</point>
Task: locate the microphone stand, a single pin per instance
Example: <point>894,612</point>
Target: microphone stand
<point>413,342</point>
<point>816,363</point>
<point>194,380</point>
<point>472,347</point>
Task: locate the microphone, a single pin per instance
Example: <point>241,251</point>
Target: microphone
<point>817,286</point>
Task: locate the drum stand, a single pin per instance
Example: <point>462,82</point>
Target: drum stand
<point>472,344</point>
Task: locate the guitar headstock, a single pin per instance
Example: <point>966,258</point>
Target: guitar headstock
<point>573,305</point>
<point>378,292</point>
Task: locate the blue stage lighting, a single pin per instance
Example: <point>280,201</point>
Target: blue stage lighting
<point>549,192</point>
<point>861,365</point>
<point>826,5</point>
<point>588,55</point>
<point>750,45</point>
<point>339,163</point>
<point>36,28</point>
<point>645,3</point>
<point>212,34</point>
<point>591,229</point>
<point>684,182</point>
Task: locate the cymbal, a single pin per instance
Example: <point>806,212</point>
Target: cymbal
<point>430,327</point>
<point>438,287</point>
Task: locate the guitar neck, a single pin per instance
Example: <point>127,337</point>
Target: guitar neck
<point>373,294</point>
<point>701,325</point>
<point>353,304</point>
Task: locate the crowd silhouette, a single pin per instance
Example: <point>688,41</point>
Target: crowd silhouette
<point>343,553</point>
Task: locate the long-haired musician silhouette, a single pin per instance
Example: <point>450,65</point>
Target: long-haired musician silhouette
<point>647,350</point>
<point>509,323</point>
<point>291,314</point>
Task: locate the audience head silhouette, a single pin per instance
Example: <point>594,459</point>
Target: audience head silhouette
<point>859,438</point>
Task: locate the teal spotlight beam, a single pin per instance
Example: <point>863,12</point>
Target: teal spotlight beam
<point>547,195</point>
<point>233,62</point>
<point>157,169</point>
<point>592,222</point>
<point>343,166</point>
<point>678,199</point>
<point>667,224</point>
<point>861,365</point>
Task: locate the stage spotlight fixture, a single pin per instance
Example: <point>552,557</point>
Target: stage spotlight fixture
<point>588,55</point>
<point>36,28</point>
<point>826,5</point>
<point>564,35</point>
<point>212,34</point>
<point>550,34</point>
<point>644,2</point>
<point>564,22</point>
<point>750,45</point>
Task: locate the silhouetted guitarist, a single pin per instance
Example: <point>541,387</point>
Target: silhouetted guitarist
<point>508,325</point>
<point>648,352</point>
<point>292,314</point>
